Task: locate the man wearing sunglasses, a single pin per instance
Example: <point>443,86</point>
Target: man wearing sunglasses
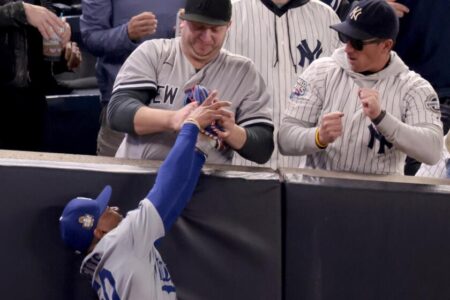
<point>362,110</point>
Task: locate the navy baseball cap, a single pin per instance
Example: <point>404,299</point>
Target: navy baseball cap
<point>211,12</point>
<point>79,219</point>
<point>369,19</point>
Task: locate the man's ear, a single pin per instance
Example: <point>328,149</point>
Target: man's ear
<point>388,45</point>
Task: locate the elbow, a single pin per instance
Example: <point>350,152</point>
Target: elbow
<point>264,155</point>
<point>111,117</point>
<point>281,142</point>
<point>432,158</point>
<point>433,155</point>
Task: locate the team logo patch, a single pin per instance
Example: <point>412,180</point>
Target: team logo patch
<point>300,88</point>
<point>307,54</point>
<point>375,135</point>
<point>432,104</point>
<point>86,221</point>
<point>355,13</point>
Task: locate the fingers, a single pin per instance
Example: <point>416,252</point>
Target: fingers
<point>68,51</point>
<point>219,104</point>
<point>210,99</point>
<point>191,106</point>
<point>72,55</point>
<point>55,25</point>
<point>141,25</point>
<point>399,8</point>
<point>370,102</point>
<point>65,38</point>
<point>44,32</point>
<point>147,15</point>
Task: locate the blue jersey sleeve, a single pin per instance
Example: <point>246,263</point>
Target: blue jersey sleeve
<point>177,176</point>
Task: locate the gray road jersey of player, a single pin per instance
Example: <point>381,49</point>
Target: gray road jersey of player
<point>276,41</point>
<point>329,85</point>
<point>126,265</point>
<point>160,65</point>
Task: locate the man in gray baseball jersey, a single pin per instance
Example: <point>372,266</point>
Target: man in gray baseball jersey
<point>362,110</point>
<point>148,101</point>
<point>282,37</point>
<point>122,261</point>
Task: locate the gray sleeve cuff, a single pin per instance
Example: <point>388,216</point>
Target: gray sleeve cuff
<point>122,108</point>
<point>259,144</point>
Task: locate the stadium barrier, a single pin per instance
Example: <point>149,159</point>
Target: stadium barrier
<point>247,233</point>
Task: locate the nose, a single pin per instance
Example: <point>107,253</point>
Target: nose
<point>206,35</point>
<point>349,48</point>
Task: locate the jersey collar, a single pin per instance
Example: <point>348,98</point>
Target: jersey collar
<point>281,11</point>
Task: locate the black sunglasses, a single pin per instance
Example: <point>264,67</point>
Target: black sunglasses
<point>357,44</point>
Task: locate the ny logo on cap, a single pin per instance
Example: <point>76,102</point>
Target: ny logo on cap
<point>356,12</point>
<point>86,221</point>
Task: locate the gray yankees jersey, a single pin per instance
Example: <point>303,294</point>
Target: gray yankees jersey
<point>125,263</point>
<point>282,42</point>
<point>160,65</point>
<point>411,126</point>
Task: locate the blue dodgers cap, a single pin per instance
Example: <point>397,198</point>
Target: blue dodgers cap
<point>370,19</point>
<point>79,219</point>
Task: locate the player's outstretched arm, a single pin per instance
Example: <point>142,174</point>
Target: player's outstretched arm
<point>179,173</point>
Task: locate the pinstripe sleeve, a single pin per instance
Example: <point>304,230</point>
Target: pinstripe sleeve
<point>420,135</point>
<point>301,116</point>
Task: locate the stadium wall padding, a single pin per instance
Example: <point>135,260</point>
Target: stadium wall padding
<point>247,233</point>
<point>227,244</point>
<point>360,239</point>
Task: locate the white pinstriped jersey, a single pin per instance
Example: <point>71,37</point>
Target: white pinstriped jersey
<point>438,170</point>
<point>329,85</point>
<point>125,263</point>
<point>334,4</point>
<point>281,42</point>
<point>160,65</point>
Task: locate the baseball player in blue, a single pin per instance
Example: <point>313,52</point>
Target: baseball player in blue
<point>121,258</point>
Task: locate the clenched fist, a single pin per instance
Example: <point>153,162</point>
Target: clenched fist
<point>370,101</point>
<point>330,127</point>
<point>142,25</point>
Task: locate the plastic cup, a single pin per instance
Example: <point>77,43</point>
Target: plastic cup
<point>52,47</point>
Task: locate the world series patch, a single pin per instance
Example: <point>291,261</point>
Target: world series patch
<point>432,104</point>
<point>300,88</point>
